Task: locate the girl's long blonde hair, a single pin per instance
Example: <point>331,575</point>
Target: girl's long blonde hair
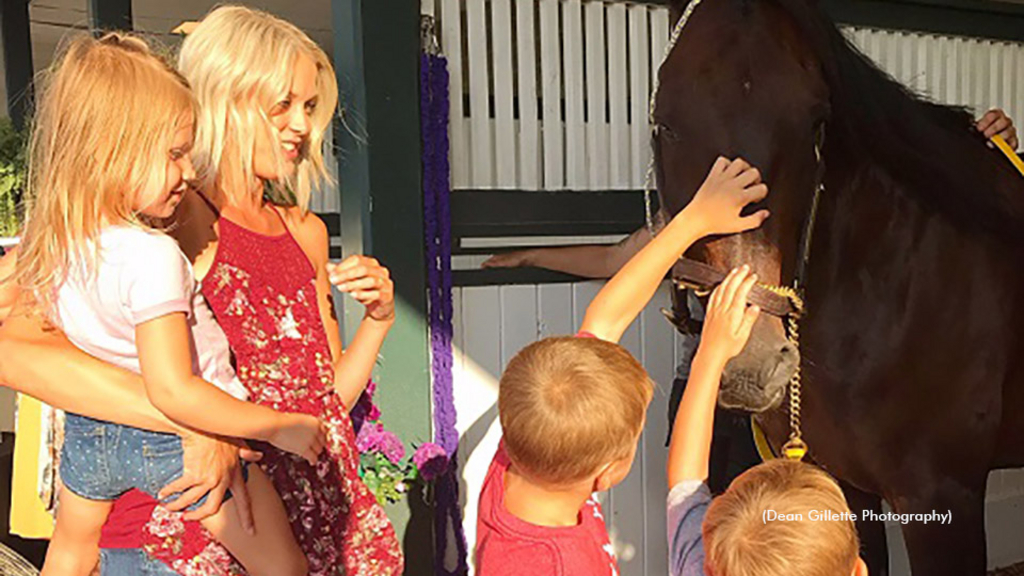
<point>107,113</point>
<point>239,62</point>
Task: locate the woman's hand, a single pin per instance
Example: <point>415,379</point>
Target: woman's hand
<point>995,121</point>
<point>368,282</point>
<point>212,467</point>
<point>729,187</point>
<point>728,321</point>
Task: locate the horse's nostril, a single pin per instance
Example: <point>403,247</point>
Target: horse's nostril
<point>787,350</point>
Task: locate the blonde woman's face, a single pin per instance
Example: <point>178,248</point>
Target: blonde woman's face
<point>290,119</point>
<point>178,172</point>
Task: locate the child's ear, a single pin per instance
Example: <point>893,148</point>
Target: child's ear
<point>860,568</point>
<point>605,478</point>
<point>610,474</point>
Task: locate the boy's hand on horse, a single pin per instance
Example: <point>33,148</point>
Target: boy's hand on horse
<point>994,122</point>
<point>368,282</point>
<point>729,320</point>
<point>729,187</point>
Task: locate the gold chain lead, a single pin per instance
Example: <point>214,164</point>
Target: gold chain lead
<point>795,448</point>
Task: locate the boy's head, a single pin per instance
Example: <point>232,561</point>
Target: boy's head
<point>572,410</point>
<point>739,541</point>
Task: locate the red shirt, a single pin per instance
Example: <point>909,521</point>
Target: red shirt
<point>130,514</point>
<point>509,546</point>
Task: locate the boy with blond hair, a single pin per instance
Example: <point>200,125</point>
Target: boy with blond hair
<point>572,408</point>
<point>742,532</point>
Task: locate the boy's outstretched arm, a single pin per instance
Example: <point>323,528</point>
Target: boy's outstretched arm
<point>715,209</point>
<point>727,326</point>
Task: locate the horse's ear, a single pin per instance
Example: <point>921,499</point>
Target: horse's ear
<point>675,10</point>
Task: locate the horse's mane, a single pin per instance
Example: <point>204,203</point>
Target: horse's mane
<point>929,149</point>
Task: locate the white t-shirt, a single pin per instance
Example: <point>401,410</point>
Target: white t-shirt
<point>141,275</point>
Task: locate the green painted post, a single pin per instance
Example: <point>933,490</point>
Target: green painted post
<point>110,15</point>
<point>377,61</point>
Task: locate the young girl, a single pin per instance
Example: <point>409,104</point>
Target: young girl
<point>110,152</point>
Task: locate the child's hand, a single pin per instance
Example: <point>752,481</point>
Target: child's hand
<point>368,282</point>
<point>728,320</point>
<point>728,188</point>
<point>300,434</point>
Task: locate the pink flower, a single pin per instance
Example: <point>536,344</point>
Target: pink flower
<point>374,438</point>
<point>431,460</point>
<point>392,447</point>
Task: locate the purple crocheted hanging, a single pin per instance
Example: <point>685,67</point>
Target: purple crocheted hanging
<point>437,225</point>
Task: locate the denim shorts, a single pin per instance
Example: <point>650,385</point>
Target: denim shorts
<point>131,562</point>
<point>101,460</point>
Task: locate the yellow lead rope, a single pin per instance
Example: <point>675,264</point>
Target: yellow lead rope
<point>1010,154</point>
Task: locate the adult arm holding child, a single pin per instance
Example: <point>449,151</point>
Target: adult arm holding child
<point>39,361</point>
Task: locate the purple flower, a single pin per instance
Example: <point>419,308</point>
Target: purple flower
<point>391,446</point>
<point>368,439</point>
<point>374,438</point>
<point>431,460</point>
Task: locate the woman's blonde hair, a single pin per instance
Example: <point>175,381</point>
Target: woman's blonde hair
<point>239,62</point>
<point>106,118</point>
<point>811,533</point>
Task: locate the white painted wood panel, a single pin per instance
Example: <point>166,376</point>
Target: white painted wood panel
<point>573,65</point>
<point>551,96</point>
<point>590,130</point>
<point>502,73</point>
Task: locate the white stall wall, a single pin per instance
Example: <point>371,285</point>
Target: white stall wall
<point>552,95</point>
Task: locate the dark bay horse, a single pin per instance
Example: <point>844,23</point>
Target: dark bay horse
<point>911,348</point>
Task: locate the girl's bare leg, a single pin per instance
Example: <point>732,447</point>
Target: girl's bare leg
<point>74,549</point>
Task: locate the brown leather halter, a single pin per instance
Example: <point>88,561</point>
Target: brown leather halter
<point>779,301</point>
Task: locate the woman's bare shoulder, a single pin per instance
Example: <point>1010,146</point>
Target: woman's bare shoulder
<point>309,231</point>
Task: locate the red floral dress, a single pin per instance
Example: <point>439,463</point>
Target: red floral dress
<point>263,293</point>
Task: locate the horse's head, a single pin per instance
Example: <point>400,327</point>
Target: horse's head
<point>742,81</point>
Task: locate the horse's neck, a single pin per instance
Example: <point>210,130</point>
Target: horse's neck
<point>879,258</point>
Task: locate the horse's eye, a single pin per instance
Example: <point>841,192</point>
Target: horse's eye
<point>668,133</point>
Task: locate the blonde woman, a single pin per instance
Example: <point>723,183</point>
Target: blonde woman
<point>266,93</point>
<point>123,292</point>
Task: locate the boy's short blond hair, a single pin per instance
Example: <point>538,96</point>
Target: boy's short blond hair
<point>738,541</point>
<point>569,405</point>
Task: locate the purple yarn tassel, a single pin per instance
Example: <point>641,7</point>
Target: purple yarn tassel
<point>437,224</point>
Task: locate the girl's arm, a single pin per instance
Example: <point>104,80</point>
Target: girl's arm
<point>715,209</point>
<point>727,327</point>
<point>165,357</point>
<point>588,261</point>
<point>370,284</point>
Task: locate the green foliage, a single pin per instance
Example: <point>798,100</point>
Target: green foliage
<point>13,169</point>
<point>387,481</point>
